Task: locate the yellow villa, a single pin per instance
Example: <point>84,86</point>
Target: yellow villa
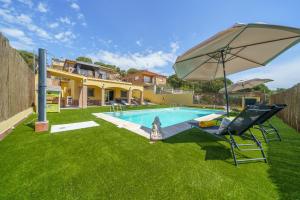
<point>85,84</point>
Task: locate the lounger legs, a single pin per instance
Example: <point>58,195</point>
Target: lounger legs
<point>258,143</point>
<point>235,146</point>
<point>232,146</point>
<point>267,130</point>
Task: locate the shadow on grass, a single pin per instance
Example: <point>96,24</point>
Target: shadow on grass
<point>284,159</point>
<point>30,125</point>
<point>30,122</point>
<point>216,152</point>
<point>210,144</point>
<point>215,148</point>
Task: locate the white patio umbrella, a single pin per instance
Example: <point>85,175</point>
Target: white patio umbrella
<point>241,47</point>
<point>241,85</point>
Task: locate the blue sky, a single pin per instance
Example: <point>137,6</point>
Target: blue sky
<point>143,34</point>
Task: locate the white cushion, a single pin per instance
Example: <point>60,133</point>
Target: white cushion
<point>224,124</point>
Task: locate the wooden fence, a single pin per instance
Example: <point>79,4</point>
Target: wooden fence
<point>218,99</point>
<point>16,82</point>
<point>291,97</point>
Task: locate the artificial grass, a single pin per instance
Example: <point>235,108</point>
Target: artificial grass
<point>107,162</point>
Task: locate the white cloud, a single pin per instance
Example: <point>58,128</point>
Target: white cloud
<point>174,46</point>
<point>285,74</point>
<point>65,36</point>
<point>23,20</point>
<point>66,20</point>
<point>80,16</point>
<point>19,39</point>
<point>12,32</point>
<point>53,25</point>
<point>6,15</point>
<point>42,7</point>
<point>5,3</point>
<point>75,6</point>
<point>20,45</point>
<point>27,2</point>
<point>27,21</point>
<point>139,43</point>
<point>39,31</point>
<point>106,43</point>
<point>148,60</point>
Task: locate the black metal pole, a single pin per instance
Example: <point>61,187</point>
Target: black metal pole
<point>225,83</point>
<point>42,86</point>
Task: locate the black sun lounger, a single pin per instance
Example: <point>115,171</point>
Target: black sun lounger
<point>238,127</point>
<point>265,126</point>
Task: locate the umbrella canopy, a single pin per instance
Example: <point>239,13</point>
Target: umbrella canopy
<point>241,47</point>
<point>241,85</point>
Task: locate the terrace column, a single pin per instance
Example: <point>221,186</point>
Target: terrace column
<point>142,98</point>
<point>42,123</point>
<point>129,96</point>
<point>102,96</point>
<point>83,97</point>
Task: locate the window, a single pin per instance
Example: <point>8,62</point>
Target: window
<point>100,76</point>
<point>147,79</point>
<point>104,74</point>
<point>84,72</point>
<point>90,92</point>
<point>123,94</point>
<point>136,78</point>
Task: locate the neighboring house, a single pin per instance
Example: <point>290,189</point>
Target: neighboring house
<point>146,78</point>
<point>83,84</point>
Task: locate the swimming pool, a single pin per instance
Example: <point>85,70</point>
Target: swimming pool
<point>167,116</point>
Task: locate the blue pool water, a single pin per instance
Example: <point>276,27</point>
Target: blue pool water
<point>167,116</point>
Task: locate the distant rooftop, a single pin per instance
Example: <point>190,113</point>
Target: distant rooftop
<point>146,72</point>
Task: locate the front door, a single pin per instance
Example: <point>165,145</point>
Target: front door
<point>109,95</point>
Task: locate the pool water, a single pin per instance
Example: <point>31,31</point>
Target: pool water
<point>167,116</point>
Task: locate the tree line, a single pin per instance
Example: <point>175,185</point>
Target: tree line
<point>207,86</point>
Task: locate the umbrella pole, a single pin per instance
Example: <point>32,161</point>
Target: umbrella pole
<point>225,83</point>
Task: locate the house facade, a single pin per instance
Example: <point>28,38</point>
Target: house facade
<point>85,84</point>
<point>146,78</point>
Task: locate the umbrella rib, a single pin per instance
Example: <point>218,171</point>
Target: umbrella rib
<point>212,57</point>
<point>207,54</point>
<point>246,59</point>
<point>269,41</point>
<point>233,56</point>
<point>237,35</point>
<point>196,68</point>
<point>217,66</point>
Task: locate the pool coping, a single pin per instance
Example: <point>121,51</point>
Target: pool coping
<point>167,132</point>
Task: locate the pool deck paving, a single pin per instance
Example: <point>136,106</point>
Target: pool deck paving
<point>72,126</point>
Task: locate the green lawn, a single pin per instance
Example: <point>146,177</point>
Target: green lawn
<point>113,163</point>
